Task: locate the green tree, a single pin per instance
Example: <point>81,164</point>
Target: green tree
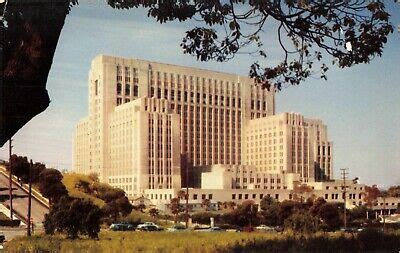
<point>304,30</point>
<point>286,209</point>
<point>94,177</point>
<point>175,207</point>
<point>116,208</point>
<point>20,167</point>
<point>205,203</point>
<point>301,192</point>
<point>269,211</point>
<point>394,191</point>
<point>267,202</point>
<point>228,205</point>
<point>73,217</point>
<point>371,195</point>
<point>244,215</point>
<point>316,207</point>
<point>357,214</point>
<point>36,170</point>
<point>204,217</point>
<point>301,222</point>
<point>330,216</point>
<point>154,212</point>
<point>51,186</point>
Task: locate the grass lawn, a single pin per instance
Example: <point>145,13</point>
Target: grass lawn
<point>193,242</point>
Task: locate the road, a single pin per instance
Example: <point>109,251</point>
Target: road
<point>11,233</point>
<point>20,202</point>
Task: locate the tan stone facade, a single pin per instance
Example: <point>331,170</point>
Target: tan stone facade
<point>289,143</point>
<point>144,115</point>
<point>210,107</point>
<point>331,191</point>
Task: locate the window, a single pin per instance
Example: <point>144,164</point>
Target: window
<point>127,89</point>
<point>119,88</point>
<point>203,196</point>
<point>209,196</point>
<point>233,196</point>
<point>96,88</point>
<point>135,91</point>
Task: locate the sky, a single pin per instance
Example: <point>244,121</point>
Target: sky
<point>360,105</point>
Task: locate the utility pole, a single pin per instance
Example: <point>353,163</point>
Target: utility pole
<point>344,172</point>
<point>187,192</point>
<point>383,214</point>
<point>28,231</point>
<point>10,178</point>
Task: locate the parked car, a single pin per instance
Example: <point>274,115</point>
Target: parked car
<point>279,229</point>
<point>2,237</point>
<point>122,226</point>
<point>351,230</point>
<point>215,229</point>
<point>265,228</point>
<point>148,226</point>
<point>176,228</point>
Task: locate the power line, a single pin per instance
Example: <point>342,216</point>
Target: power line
<point>344,173</point>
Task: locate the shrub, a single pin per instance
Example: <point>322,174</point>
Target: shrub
<point>203,217</point>
<point>302,222</point>
<point>73,217</point>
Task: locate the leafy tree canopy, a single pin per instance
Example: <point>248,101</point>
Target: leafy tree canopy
<point>394,191</point>
<point>51,186</point>
<point>344,32</point>
<point>73,217</point>
<point>301,221</point>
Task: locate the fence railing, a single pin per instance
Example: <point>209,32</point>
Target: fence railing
<point>35,194</point>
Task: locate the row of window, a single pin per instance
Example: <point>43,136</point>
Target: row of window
<point>252,179</point>
<point>121,180</point>
<point>190,82</point>
<point>350,196</point>
<point>128,90</point>
<point>195,97</point>
<point>252,196</point>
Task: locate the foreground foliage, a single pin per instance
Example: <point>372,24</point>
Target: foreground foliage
<point>304,217</point>
<point>112,201</point>
<point>211,242</point>
<point>73,216</point>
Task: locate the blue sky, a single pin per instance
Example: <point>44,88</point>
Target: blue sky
<point>360,105</point>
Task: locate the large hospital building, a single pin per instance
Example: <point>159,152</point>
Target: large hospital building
<point>145,116</point>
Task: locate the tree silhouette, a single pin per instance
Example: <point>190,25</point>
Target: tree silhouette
<point>51,186</point>
<point>73,217</point>
<point>175,207</point>
<point>371,195</point>
<point>301,192</point>
<point>205,203</point>
<point>154,212</point>
<point>347,32</point>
